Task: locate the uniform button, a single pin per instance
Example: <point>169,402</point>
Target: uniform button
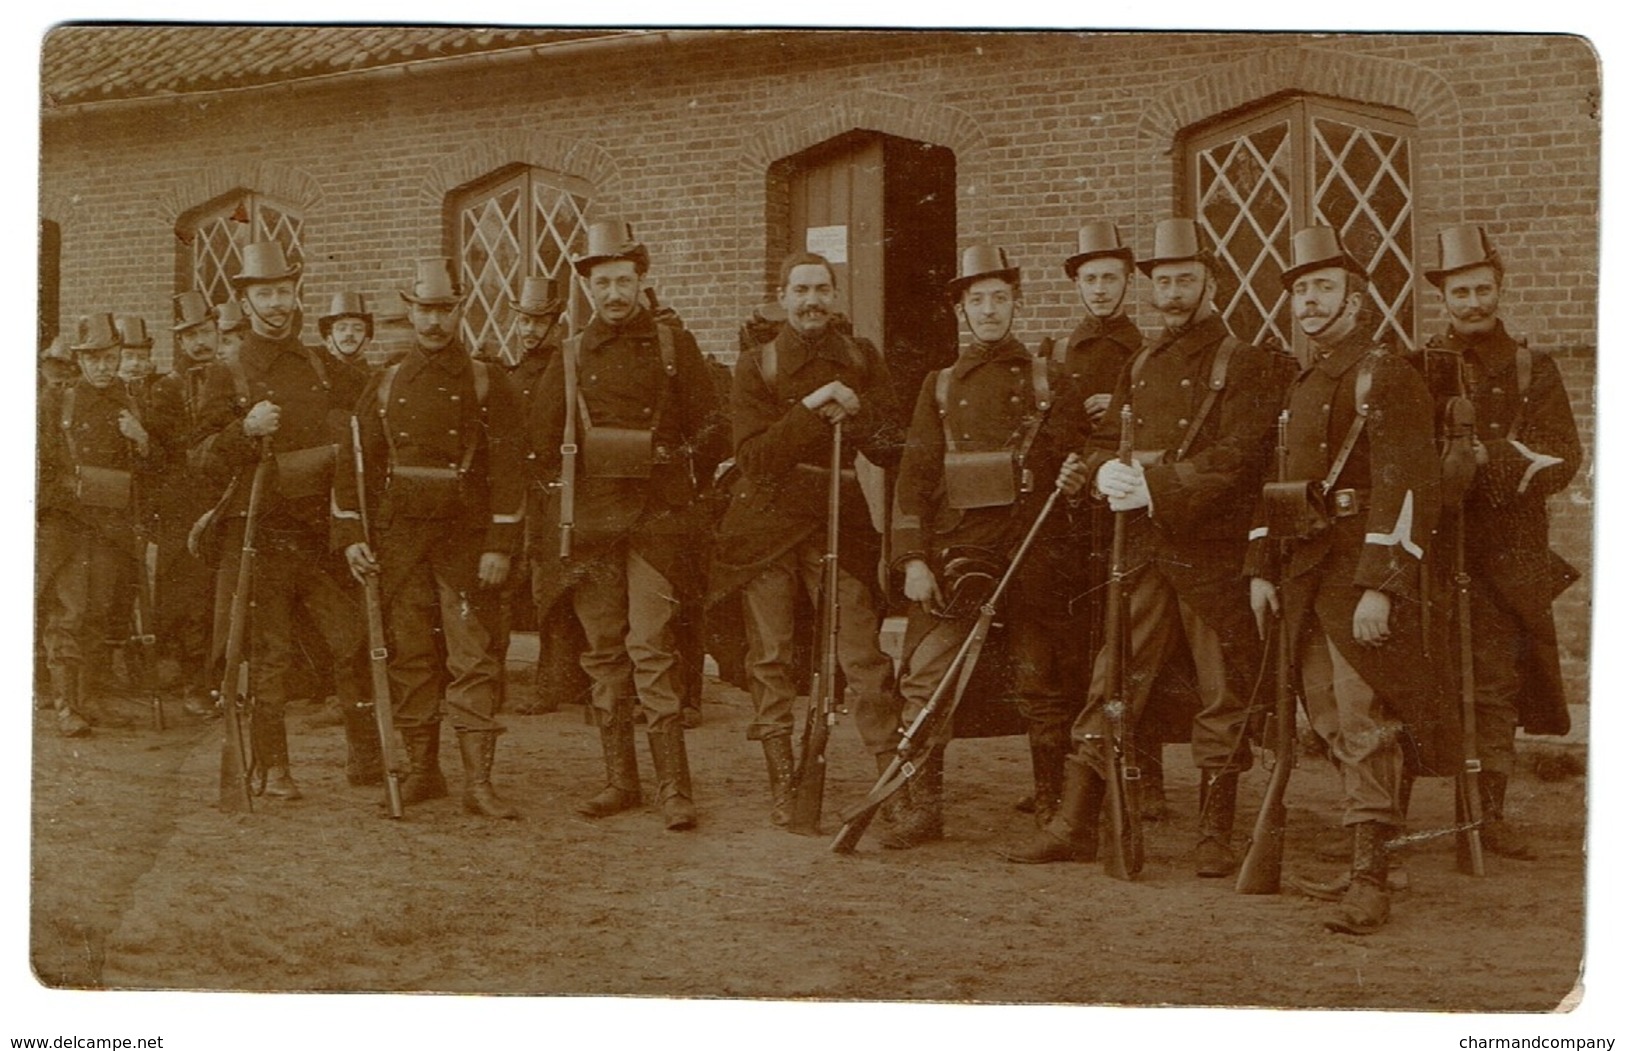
<point>647,410</point>
<point>401,400</point>
<point>1015,369</point>
<point>962,401</point>
<point>1015,399</point>
<point>1185,382</point>
<point>1184,423</point>
<point>592,378</point>
<point>1495,390</point>
<point>1495,426</point>
<point>965,437</point>
<point>402,434</point>
<point>1323,445</point>
<point>1326,408</point>
<point>452,430</point>
<point>454,397</point>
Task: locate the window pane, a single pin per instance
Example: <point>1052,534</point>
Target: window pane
<point>1362,189</point>
<point>1244,204</point>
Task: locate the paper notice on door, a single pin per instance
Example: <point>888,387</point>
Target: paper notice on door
<point>828,241</point>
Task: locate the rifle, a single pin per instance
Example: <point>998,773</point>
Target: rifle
<point>933,727</point>
<point>807,793</point>
<point>1260,871</point>
<point>377,646</point>
<point>1460,420</point>
<point>236,765</point>
<point>1123,850</point>
<point>146,643</point>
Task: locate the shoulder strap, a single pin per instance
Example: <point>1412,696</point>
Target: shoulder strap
<point>386,383</point>
<point>319,366</point>
<point>568,447</point>
<point>668,349</point>
<point>70,394</point>
<point>1042,402</point>
<point>471,435</point>
<point>482,382</point>
<point>1524,362</point>
<point>1362,409</point>
<point>768,363</point>
<point>1215,384</point>
<point>239,381</point>
<point>1056,349</point>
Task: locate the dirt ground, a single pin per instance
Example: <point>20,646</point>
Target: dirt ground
<point>139,882</point>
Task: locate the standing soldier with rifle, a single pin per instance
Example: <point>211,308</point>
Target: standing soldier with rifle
<point>626,419</point>
<point>443,466</point>
<point>789,394</point>
<point>1360,498</point>
<point>281,390</point>
<point>1527,449</point>
<point>988,443</point>
<point>1202,403</point>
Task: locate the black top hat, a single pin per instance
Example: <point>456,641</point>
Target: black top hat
<point>979,261</point>
<point>345,304</point>
<point>541,296</point>
<point>434,285</point>
<point>1094,241</point>
<point>263,261</point>
<point>1462,248</point>
<point>1176,241</point>
<point>1316,248</point>
<point>95,332</point>
<point>132,332</point>
<point>229,316</point>
<point>608,240</point>
<point>191,310</point>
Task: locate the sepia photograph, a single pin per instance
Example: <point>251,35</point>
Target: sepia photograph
<point>813,515</point>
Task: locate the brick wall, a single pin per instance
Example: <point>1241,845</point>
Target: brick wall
<point>679,138</point>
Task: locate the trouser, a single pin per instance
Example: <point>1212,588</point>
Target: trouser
<point>769,603</point>
<point>1360,733</point>
<point>465,666</point>
<point>184,588</point>
<point>74,585</point>
<point>1226,663</point>
<point>1051,673</point>
<point>626,608</point>
<point>1498,645</point>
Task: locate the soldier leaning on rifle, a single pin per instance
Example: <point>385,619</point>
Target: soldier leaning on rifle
<point>643,411</point>
<point>1363,499</point>
<point>445,496</point>
<point>280,399</point>
<point>1204,405</point>
<point>1527,450</point>
<point>92,447</point>
<point>787,393</point>
<point>987,442</point>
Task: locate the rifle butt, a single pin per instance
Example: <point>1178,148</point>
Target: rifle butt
<point>235,796</point>
<point>1260,871</point>
<point>392,794</point>
<point>857,822</point>
<point>807,791</point>
<point>1114,847</point>
<point>1469,840</point>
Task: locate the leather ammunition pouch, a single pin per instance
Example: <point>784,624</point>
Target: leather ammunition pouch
<point>1295,510</point>
<point>1457,463</point>
<point>305,472</point>
<point>980,479</point>
<point>104,487</point>
<point>424,492</point>
<point>968,579</point>
<point>618,452</point>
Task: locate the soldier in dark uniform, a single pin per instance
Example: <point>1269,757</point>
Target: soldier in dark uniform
<point>185,587</point>
<point>135,368</point>
<point>994,399</point>
<point>346,329</point>
<point>643,409</point>
<point>1359,437</point>
<point>1203,408</point>
<point>92,446</point>
<point>443,442</point>
<point>786,395</point>
<point>1527,450</point>
<point>279,399</point>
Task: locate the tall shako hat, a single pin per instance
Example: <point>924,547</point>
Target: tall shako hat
<point>191,310</point>
<point>345,304</point>
<point>263,261</point>
<point>132,332</point>
<point>1316,248</point>
<point>541,296</point>
<point>95,332</point>
<point>979,261</point>
<point>608,240</point>
<point>434,285</point>
<point>1462,248</point>
<point>229,316</point>
<point>1176,241</point>
<point>1096,240</point>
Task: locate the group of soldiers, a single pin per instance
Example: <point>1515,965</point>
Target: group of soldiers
<point>1331,503</point>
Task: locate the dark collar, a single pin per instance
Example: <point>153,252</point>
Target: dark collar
<point>795,350</point>
<point>260,353</point>
<point>1205,327</point>
<point>452,360</point>
<point>1118,328</point>
<point>640,325</point>
<point>1495,350</point>
<point>977,354</point>
<point>1341,356</point>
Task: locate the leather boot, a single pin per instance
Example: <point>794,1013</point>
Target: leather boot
<point>781,768</point>
<point>1215,857</point>
<point>892,810</point>
<point>363,756</point>
<point>1082,793</point>
<point>621,790</point>
<point>69,723</point>
<point>1364,908</point>
<point>1153,797</point>
<point>270,734</point>
<point>1049,773</point>
<point>676,791</point>
<point>478,748</point>
<point>1498,835</point>
<point>425,781</point>
<point>919,813</point>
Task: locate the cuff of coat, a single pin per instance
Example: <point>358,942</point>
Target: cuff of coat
<point>1389,569</point>
<point>503,537</point>
<point>342,532</point>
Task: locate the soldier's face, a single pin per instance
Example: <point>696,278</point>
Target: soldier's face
<point>1472,297</point>
<point>533,330</point>
<point>434,323</point>
<point>346,335</point>
<point>135,363</point>
<point>1178,289</point>
<point>271,307</point>
<point>1101,283</point>
<point>230,343</point>
<point>100,367</point>
<point>198,343</point>
<point>614,288</point>
<point>1323,305</point>
<point>988,307</point>
<point>807,298</point>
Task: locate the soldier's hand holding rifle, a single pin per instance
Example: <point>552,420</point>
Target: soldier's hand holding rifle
<point>493,569</point>
<point>131,428</point>
<point>920,584</point>
<point>1072,477</point>
<point>1123,485</point>
<point>262,420</point>
<point>363,563</point>
<point>1266,602</point>
<point>834,401</point>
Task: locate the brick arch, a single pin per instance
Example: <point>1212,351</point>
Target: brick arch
<point>295,186</point>
<point>1311,70</point>
<point>577,158</point>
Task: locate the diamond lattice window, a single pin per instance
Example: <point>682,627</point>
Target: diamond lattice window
<point>522,223</point>
<point>1298,162</point>
<point>213,237</point>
